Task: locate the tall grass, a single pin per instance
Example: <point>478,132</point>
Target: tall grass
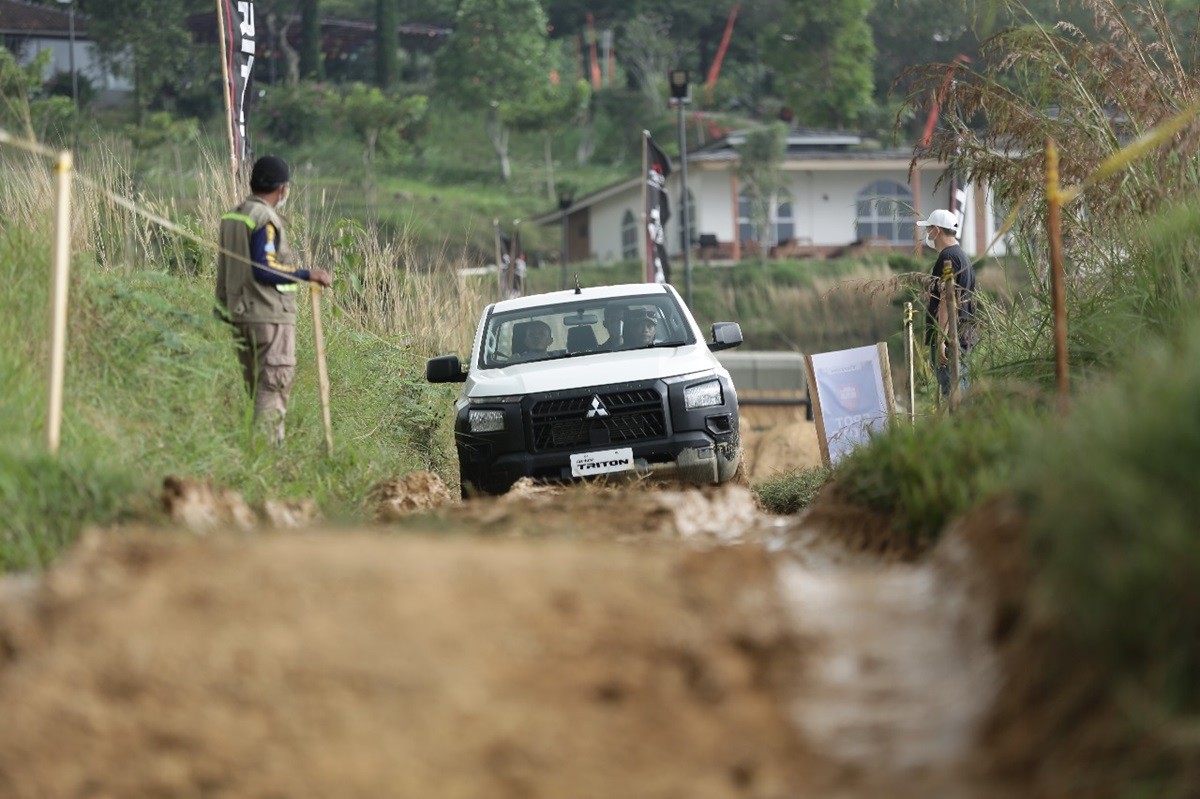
<point>153,386</point>
<point>1091,95</point>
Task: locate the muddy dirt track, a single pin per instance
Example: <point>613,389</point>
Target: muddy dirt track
<point>628,641</point>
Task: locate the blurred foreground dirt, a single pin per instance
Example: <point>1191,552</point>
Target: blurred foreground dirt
<point>598,641</point>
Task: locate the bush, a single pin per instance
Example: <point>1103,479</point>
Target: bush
<point>926,474</point>
<point>899,262</point>
<point>792,491</point>
<point>1113,497</point>
<point>294,114</point>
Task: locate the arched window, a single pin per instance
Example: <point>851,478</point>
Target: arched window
<point>883,212</point>
<point>629,236</point>
<point>783,222</point>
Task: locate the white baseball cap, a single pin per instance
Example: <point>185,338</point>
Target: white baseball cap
<point>943,219</point>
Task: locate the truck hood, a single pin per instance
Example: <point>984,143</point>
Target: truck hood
<point>585,371</point>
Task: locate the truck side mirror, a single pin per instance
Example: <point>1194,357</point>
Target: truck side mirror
<point>725,335</point>
<point>445,369</point>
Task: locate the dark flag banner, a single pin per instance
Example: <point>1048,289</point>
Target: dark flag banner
<point>238,37</point>
<point>657,168</point>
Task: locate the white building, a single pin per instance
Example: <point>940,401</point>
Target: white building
<point>840,195</point>
<point>28,30</point>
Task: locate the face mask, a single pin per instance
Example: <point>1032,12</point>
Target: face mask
<point>282,198</point>
<point>929,242</point>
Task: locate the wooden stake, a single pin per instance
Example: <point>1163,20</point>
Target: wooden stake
<point>322,373</point>
<point>58,297</point>
<point>1058,288</point>
<point>229,121</point>
<point>950,300</point>
<point>908,357</point>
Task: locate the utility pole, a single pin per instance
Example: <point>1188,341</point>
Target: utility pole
<point>678,79</point>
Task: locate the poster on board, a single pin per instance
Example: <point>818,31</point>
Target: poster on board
<point>851,393</point>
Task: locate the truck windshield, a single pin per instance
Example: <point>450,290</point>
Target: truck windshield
<point>583,327</point>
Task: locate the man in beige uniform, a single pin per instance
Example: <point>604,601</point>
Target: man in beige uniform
<point>257,280</point>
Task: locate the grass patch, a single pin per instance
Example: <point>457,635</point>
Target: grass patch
<point>925,474</point>
<point>792,491</point>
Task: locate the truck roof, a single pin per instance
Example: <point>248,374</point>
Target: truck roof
<point>587,292</point>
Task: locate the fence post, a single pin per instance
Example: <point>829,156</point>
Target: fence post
<point>908,357</point>
<point>950,297</point>
<point>61,266</point>
<point>1058,289</point>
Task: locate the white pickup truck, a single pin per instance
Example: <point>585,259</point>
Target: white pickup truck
<point>593,381</point>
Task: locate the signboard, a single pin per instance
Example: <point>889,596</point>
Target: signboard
<point>851,392</point>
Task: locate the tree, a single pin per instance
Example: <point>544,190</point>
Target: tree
<point>759,172</point>
<point>549,111</point>
<point>143,40</point>
<point>649,52</point>
<point>497,54</point>
<point>387,42</point>
<point>373,114</point>
<point>822,56</point>
<point>311,66</point>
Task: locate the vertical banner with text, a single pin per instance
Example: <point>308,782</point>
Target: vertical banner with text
<point>657,168</point>
<point>239,41</point>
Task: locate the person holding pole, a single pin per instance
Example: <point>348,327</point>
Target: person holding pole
<point>942,235</point>
<point>257,282</point>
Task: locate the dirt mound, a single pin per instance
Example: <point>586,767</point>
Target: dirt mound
<point>202,507</point>
<point>416,491</point>
<point>623,511</point>
<point>347,664</point>
<point>1055,729</point>
<point>858,529</point>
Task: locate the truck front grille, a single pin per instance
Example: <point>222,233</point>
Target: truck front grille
<point>594,419</point>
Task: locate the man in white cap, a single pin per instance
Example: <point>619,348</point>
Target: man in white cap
<point>942,235</point>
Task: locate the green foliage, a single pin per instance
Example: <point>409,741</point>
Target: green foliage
<point>160,128</point>
<point>497,53</point>
<point>144,40</point>
<point>372,115</point>
<point>926,474</point>
<point>17,85</point>
<point>759,172</point>
<point>822,55</point>
<point>60,85</point>
<point>46,501</point>
<point>1113,495</point>
<point>900,262</point>
<point>295,114</point>
<point>791,491</point>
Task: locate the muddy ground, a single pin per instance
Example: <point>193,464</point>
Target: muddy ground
<point>598,641</point>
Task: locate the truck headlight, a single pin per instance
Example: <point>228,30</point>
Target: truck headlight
<point>703,395</point>
<point>485,421</point>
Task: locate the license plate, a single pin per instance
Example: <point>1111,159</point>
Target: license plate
<point>605,461</point>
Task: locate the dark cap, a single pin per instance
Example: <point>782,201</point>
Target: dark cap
<point>640,315</point>
<point>269,173</point>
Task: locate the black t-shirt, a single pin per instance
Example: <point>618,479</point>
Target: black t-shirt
<point>964,279</point>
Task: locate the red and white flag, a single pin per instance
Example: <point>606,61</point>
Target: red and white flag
<point>657,168</point>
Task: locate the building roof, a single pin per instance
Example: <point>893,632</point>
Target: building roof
<point>338,34</point>
<point>49,21</point>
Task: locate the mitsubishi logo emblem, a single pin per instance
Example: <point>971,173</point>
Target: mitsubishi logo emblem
<point>597,408</point>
